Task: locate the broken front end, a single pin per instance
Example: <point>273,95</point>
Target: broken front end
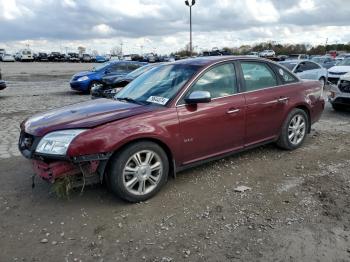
<point>50,162</point>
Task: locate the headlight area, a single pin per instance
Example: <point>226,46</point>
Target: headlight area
<point>57,143</point>
<point>83,78</point>
<point>51,163</point>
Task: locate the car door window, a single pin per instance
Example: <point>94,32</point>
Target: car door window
<point>133,66</point>
<point>119,67</point>
<point>311,66</point>
<point>258,75</point>
<point>219,81</point>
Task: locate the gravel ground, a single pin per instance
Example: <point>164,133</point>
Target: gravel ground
<point>297,208</point>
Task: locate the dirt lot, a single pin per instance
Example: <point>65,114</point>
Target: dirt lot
<point>298,208</point>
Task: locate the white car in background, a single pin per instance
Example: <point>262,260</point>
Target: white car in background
<point>267,53</point>
<point>340,69</point>
<point>306,69</point>
<point>8,58</point>
<point>253,54</point>
<point>339,95</point>
<point>25,55</point>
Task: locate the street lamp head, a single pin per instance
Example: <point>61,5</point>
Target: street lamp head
<point>190,2</point>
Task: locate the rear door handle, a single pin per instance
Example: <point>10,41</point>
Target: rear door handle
<point>233,110</point>
<point>282,99</point>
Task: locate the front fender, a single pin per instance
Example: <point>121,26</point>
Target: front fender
<point>159,125</point>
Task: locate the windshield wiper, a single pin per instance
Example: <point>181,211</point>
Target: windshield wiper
<point>130,100</point>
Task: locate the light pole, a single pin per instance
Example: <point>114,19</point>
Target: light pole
<point>190,3</point>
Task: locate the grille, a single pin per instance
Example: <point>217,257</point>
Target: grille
<point>333,80</point>
<point>338,73</point>
<point>344,86</point>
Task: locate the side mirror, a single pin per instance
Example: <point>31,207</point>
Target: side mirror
<point>198,97</point>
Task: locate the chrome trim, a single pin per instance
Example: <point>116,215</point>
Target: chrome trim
<point>283,99</point>
<point>233,111</point>
<point>239,93</point>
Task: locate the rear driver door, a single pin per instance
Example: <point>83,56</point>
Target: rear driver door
<point>266,102</point>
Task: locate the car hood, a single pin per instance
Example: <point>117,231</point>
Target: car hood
<point>82,115</point>
<point>345,77</point>
<point>84,73</point>
<point>339,69</point>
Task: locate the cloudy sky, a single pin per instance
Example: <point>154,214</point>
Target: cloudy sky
<point>162,26</point>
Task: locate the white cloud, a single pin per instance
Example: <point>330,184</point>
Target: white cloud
<point>11,10</point>
<point>102,29</point>
<point>163,25</point>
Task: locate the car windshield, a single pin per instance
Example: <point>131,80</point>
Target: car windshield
<point>100,67</point>
<point>289,65</point>
<point>139,71</point>
<point>345,62</point>
<point>158,85</point>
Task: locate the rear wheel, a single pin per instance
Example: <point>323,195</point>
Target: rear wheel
<point>294,130</point>
<point>138,172</point>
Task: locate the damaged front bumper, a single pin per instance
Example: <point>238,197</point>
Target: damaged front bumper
<point>59,169</point>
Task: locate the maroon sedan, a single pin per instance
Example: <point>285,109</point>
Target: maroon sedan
<point>175,116</point>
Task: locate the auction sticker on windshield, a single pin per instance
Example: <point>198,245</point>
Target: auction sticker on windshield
<point>158,100</point>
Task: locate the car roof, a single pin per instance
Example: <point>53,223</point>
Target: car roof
<point>209,60</point>
<point>126,61</point>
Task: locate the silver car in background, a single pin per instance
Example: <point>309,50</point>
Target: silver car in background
<point>306,69</point>
<point>339,95</point>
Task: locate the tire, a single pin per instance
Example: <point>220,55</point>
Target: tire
<point>143,182</point>
<point>337,107</point>
<point>93,83</point>
<point>322,80</point>
<point>290,126</point>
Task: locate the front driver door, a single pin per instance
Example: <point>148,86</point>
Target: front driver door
<point>217,127</point>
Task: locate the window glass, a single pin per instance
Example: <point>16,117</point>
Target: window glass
<point>285,75</point>
<point>257,76</point>
<point>133,66</point>
<point>219,81</point>
<point>158,85</point>
<point>119,67</point>
<point>311,66</point>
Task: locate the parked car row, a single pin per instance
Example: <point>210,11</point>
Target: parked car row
<point>109,71</point>
<point>27,55</point>
<point>110,86</point>
<point>306,69</point>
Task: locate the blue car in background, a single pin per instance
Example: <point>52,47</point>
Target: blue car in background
<point>84,81</point>
<point>101,59</point>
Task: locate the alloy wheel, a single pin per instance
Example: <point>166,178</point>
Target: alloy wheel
<point>142,172</point>
<point>296,129</point>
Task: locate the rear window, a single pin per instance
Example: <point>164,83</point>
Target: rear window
<point>286,76</point>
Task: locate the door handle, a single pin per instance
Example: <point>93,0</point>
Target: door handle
<point>282,99</point>
<point>232,111</point>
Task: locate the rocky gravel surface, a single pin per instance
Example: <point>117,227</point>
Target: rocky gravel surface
<point>265,204</point>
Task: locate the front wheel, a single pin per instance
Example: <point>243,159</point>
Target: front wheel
<point>294,130</point>
<point>93,84</point>
<point>138,172</point>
